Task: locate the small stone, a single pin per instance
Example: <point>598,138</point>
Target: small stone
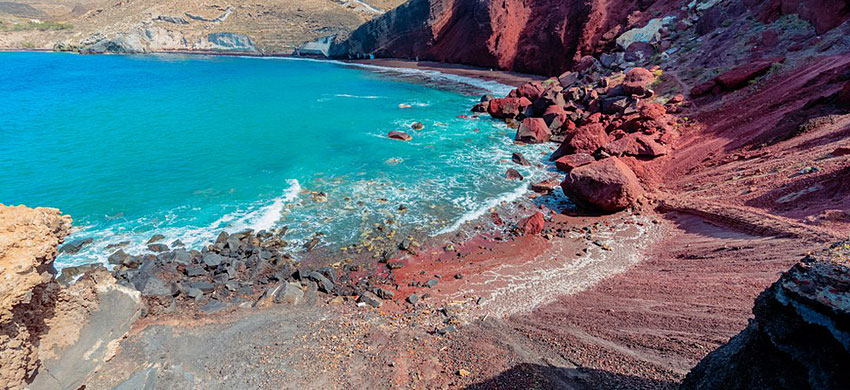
<point>212,260</point>
<point>432,282</point>
<point>384,293</point>
<point>75,246</point>
<point>369,299</point>
<point>446,330</point>
<point>289,294</point>
<point>158,248</point>
<point>518,158</point>
<point>118,257</point>
<point>463,372</point>
<point>203,286</point>
<point>155,238</point>
<point>194,270</point>
<point>194,292</point>
<point>513,174</point>
<point>412,299</point>
<point>394,264</point>
<point>325,284</point>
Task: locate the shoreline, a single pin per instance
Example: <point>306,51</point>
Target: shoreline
<point>513,79</point>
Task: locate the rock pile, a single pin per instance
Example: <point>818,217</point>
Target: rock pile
<point>237,268</point>
<point>605,123</point>
<point>800,337</point>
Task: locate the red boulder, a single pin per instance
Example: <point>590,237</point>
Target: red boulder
<point>571,161</point>
<point>533,224</point>
<point>638,145</point>
<point>545,186</point>
<point>607,184</point>
<point>533,131</point>
<point>399,135</point>
<point>587,138</point>
<point>531,91</point>
<point>741,76</point>
<point>507,107</point>
<point>637,81</point>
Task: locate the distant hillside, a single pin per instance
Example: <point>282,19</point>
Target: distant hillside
<point>268,27</point>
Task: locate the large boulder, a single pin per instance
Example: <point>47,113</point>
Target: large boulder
<point>739,77</point>
<point>587,139</point>
<point>637,81</point>
<point>507,108</point>
<point>607,184</point>
<point>637,145</point>
<point>531,91</point>
<point>533,131</point>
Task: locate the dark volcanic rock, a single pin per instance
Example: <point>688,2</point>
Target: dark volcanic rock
<point>75,246</point>
<point>799,338</point>
<point>518,158</point>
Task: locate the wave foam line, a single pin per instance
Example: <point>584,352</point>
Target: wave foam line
<point>490,86</point>
<point>478,212</point>
<point>266,217</point>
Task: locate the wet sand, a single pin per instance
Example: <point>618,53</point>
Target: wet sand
<point>509,78</point>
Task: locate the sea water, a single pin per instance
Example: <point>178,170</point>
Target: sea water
<point>187,146</point>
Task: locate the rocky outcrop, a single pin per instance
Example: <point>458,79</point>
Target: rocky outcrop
<point>59,332</point>
<point>799,338</point>
<point>28,242</point>
<point>541,36</point>
<point>145,39</point>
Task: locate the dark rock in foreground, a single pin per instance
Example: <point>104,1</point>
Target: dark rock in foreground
<point>800,337</point>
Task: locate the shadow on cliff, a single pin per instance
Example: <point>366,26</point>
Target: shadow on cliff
<point>536,376</point>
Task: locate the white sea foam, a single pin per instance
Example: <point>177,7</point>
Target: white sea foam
<point>483,209</point>
<point>359,96</point>
<point>493,87</point>
<point>266,217</point>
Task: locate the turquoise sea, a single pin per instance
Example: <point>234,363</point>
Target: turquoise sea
<point>186,146</point>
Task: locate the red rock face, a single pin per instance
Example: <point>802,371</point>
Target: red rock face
<point>823,14</point>
<point>533,36</point>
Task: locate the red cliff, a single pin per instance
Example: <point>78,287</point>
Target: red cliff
<point>533,36</point>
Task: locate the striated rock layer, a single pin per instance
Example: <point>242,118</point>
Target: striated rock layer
<point>28,240</point>
<point>800,337</point>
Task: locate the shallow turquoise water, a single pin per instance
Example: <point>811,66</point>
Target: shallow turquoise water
<point>186,146</point>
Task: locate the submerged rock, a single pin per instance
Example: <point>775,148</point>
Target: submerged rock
<point>399,135</point>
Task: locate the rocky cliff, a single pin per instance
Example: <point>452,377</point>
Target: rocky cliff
<point>799,338</point>
<point>58,331</point>
<point>28,240</point>
<point>547,36</point>
<point>534,36</point>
